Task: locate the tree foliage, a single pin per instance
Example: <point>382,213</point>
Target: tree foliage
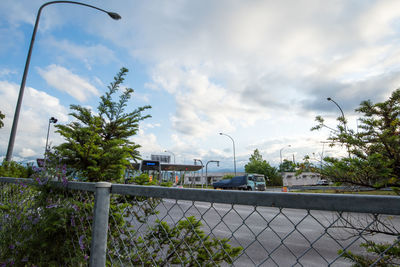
<point>2,116</point>
<point>14,169</point>
<point>97,144</point>
<point>287,166</point>
<point>373,160</point>
<point>258,165</point>
<point>374,148</point>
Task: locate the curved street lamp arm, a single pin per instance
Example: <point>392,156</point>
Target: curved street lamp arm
<point>344,118</point>
<point>113,15</point>
<point>28,59</point>
<point>234,153</point>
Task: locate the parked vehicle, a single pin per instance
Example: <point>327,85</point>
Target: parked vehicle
<point>322,182</point>
<point>253,182</point>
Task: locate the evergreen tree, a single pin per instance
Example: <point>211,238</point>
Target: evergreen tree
<point>374,149</point>
<point>373,160</point>
<point>97,145</point>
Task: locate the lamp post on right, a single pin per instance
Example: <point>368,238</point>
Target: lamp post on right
<point>234,155</point>
<point>344,121</point>
<point>343,117</point>
<point>280,154</point>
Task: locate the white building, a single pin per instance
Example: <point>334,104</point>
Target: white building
<point>305,178</point>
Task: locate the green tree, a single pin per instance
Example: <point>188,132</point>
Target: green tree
<point>374,149</point>
<point>97,144</point>
<point>2,116</point>
<point>373,160</point>
<point>258,165</point>
<point>287,166</point>
<point>14,169</point>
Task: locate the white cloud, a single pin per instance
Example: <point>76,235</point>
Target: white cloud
<point>37,108</point>
<point>151,125</point>
<point>27,153</point>
<point>6,72</point>
<point>260,70</point>
<point>88,54</point>
<point>66,81</point>
<point>148,142</point>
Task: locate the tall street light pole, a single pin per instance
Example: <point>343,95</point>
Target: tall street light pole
<point>280,154</point>
<point>26,69</point>
<point>343,117</point>
<point>234,155</point>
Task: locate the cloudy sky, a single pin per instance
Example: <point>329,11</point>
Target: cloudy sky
<point>259,71</point>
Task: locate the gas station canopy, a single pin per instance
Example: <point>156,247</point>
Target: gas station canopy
<point>147,165</point>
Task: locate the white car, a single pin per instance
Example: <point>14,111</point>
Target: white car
<point>322,182</point>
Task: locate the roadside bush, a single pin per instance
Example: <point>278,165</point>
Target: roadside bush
<point>14,169</point>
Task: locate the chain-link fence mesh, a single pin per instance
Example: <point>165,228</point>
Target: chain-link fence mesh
<point>153,226</point>
<point>262,236</point>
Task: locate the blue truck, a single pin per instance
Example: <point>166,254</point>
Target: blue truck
<point>251,182</point>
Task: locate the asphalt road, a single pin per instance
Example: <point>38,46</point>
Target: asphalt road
<point>274,237</point>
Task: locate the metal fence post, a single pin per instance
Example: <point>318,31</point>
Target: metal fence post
<point>100,225</point>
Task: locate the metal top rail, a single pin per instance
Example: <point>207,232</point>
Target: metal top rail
<point>310,201</point>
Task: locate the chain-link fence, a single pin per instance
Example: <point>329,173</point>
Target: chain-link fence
<point>155,226</point>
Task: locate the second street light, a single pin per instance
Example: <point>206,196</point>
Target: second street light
<point>234,156</point>
<point>343,117</point>
<point>28,59</point>
<point>344,122</point>
<point>51,120</point>
<point>280,154</point>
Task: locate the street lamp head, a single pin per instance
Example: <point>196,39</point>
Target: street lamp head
<point>53,120</point>
<point>114,15</point>
<point>220,133</point>
<point>329,99</point>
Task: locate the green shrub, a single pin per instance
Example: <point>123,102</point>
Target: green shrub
<point>14,169</point>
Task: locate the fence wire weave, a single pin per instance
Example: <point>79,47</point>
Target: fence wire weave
<point>153,226</point>
<point>268,236</point>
